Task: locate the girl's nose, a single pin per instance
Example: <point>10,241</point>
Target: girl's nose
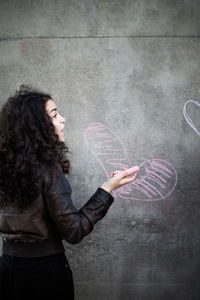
<point>62,119</point>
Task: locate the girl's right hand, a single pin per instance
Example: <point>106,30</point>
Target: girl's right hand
<point>117,178</point>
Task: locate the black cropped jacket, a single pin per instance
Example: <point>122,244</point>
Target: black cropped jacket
<point>40,229</point>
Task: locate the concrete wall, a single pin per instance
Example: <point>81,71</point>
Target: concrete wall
<point>130,65</point>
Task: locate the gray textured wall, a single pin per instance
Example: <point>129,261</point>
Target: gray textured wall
<point>130,65</point>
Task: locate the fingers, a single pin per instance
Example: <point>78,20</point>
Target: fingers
<point>115,173</point>
<point>128,179</point>
<point>133,177</point>
<point>124,174</point>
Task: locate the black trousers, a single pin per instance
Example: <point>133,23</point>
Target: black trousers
<point>48,277</point>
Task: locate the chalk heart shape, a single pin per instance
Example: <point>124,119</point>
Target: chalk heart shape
<point>155,181</point>
<point>156,178</point>
<point>193,121</point>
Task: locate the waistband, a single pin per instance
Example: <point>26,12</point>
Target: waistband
<point>44,248</point>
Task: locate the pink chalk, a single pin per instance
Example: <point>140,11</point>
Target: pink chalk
<point>130,171</point>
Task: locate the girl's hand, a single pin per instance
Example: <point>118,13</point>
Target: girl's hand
<point>116,172</point>
<point>117,179</point>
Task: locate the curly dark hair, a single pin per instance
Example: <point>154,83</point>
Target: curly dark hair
<point>29,146</point>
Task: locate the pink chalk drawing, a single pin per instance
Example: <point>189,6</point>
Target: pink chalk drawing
<point>156,179</point>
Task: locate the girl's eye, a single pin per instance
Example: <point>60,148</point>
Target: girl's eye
<point>54,116</point>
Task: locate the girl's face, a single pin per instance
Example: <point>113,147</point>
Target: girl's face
<point>57,119</point>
